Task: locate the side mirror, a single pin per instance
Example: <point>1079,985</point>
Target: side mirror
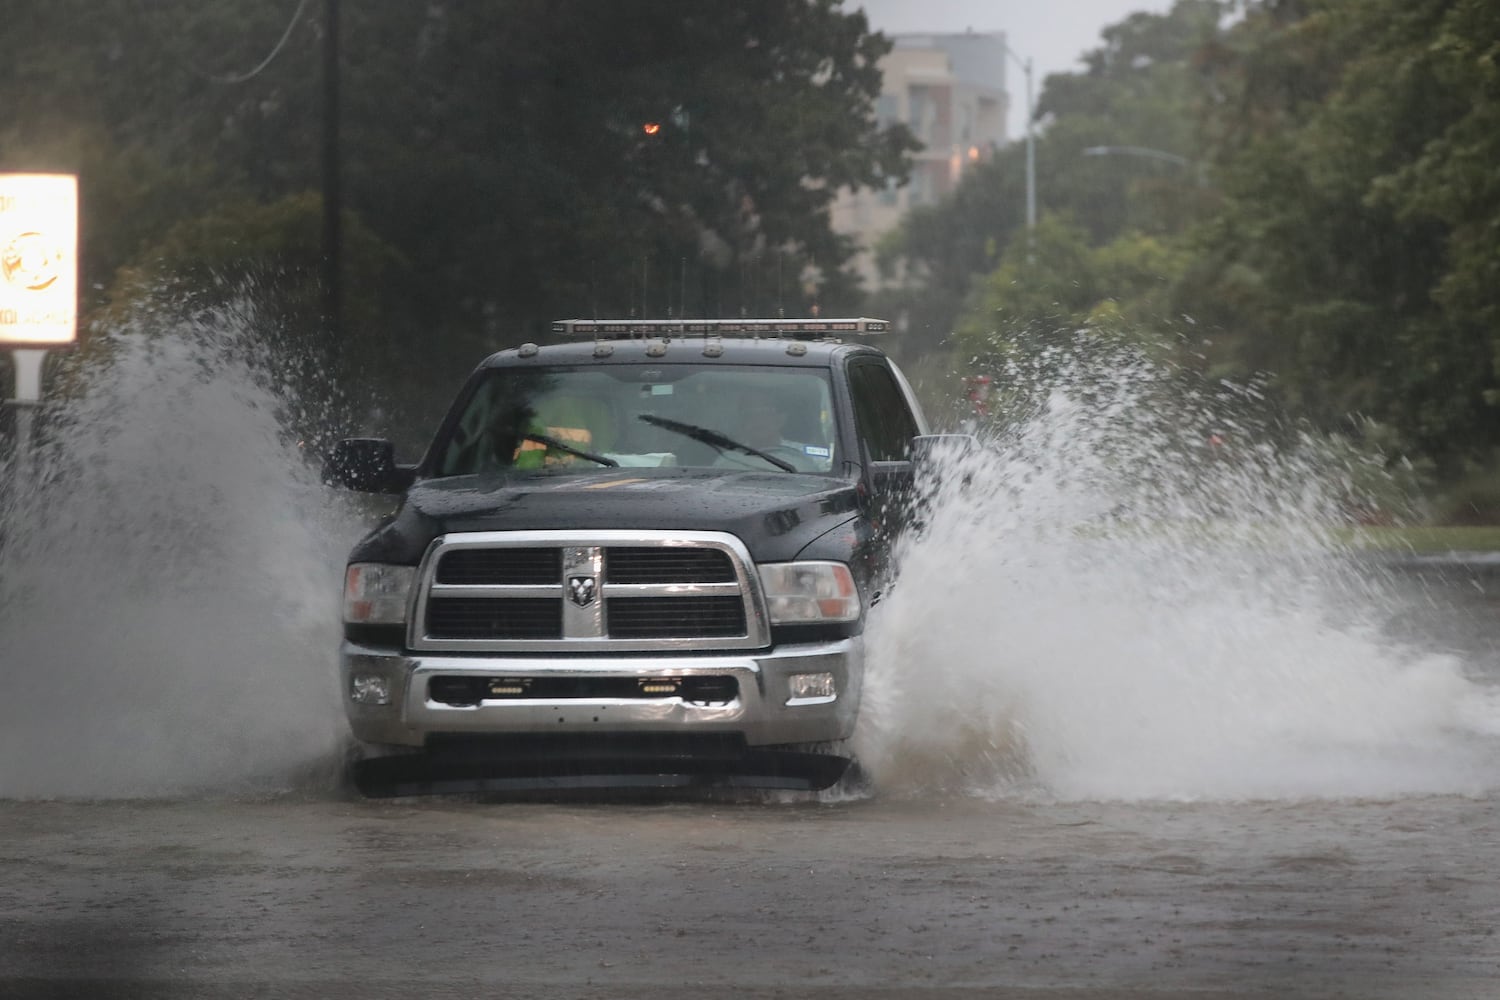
<point>927,448</point>
<point>367,465</point>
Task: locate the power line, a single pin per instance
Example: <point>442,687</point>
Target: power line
<point>242,77</point>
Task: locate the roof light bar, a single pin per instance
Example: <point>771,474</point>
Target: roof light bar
<point>617,329</point>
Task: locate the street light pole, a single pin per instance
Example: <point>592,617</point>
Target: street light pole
<point>1030,150</point>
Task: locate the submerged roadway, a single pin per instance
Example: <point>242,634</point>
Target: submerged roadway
<point>312,892</point>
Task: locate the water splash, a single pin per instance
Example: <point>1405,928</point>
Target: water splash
<point>169,576</point>
<point>1135,590</point>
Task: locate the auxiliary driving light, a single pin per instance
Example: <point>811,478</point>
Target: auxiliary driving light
<point>811,689</point>
<point>370,689</point>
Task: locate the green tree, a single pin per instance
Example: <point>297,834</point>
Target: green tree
<point>1354,251</point>
<point>497,148</point>
<point>531,129</point>
<point>1143,87</point>
<point>1060,283</point>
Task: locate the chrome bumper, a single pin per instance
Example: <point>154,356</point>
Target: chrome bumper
<point>763,711</point>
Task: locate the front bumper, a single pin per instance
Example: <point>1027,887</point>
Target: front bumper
<point>762,711</point>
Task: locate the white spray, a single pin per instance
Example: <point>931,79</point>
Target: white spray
<point>169,575</point>
<point>1131,593</point>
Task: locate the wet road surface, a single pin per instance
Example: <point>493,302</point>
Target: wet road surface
<point>876,898</point>
<point>314,893</point>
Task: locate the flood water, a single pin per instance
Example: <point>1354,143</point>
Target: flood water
<point>1106,606</point>
<point>1099,606</point>
<point>169,577</point>
<point>1139,723</point>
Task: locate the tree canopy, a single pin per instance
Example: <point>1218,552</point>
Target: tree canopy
<point>1300,188</point>
<point>1303,188</point>
<point>497,169</point>
<point>1357,169</point>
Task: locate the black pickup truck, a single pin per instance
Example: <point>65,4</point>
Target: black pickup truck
<point>642,557</point>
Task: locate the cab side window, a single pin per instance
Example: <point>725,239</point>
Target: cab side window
<point>884,420</point>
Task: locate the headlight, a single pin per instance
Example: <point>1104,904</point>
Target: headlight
<point>376,594</point>
<point>803,593</point>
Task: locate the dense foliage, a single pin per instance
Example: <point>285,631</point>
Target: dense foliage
<point>1299,191</point>
<point>1362,209</point>
<point>496,168</point>
<point>1327,211</point>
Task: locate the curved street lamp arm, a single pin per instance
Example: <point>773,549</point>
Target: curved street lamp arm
<point>1155,154</point>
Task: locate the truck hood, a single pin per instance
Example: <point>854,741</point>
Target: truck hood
<point>775,514</point>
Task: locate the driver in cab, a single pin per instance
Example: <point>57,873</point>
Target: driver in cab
<point>759,421</point>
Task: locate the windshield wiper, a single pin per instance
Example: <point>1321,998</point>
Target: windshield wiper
<point>714,439</point>
<point>552,442</point>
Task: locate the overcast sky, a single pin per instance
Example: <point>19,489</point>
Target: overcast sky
<point>1053,34</point>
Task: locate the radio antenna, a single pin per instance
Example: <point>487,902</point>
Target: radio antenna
<point>780,306</point>
<point>645,286</point>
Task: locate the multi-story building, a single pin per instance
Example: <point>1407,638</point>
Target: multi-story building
<point>950,91</point>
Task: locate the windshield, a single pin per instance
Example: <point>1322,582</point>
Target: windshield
<point>717,416</point>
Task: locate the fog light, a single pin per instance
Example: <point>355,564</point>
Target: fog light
<point>370,689</point>
<point>811,689</point>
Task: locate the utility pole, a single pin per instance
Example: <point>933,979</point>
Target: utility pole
<point>332,196</point>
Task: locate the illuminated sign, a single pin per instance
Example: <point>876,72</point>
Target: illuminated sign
<point>38,259</point>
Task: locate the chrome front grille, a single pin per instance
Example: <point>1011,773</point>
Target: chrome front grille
<point>659,564</point>
<point>658,617</point>
<point>500,566</point>
<point>487,618</point>
<point>588,591</point>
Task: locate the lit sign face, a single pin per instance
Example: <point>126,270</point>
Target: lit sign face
<point>38,259</point>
